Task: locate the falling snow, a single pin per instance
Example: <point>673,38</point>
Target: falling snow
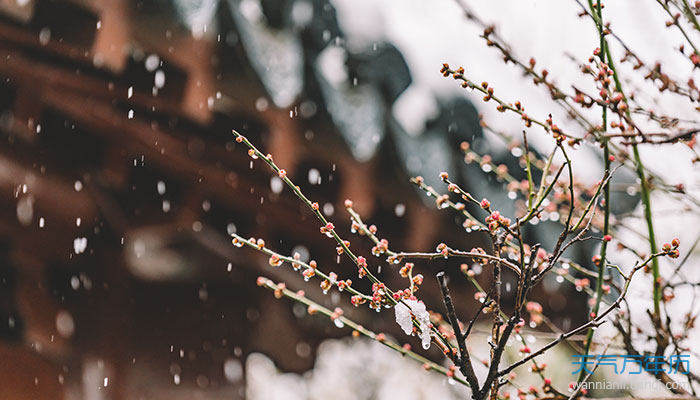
<point>79,245</point>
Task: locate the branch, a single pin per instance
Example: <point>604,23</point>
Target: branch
<point>465,364</point>
<point>593,322</point>
<point>281,290</point>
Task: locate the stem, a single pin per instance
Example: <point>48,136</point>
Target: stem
<point>428,256</point>
<point>677,24</point>
<point>603,255</point>
<point>468,83</point>
<point>639,169</point>
<point>606,195</point>
<point>650,227</point>
<point>645,194</point>
<point>299,297</point>
<point>688,11</point>
<point>530,184</point>
<point>292,261</point>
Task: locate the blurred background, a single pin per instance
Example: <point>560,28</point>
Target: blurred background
<point>120,186</point>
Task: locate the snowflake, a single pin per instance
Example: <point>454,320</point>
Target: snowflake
<point>417,310</point>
